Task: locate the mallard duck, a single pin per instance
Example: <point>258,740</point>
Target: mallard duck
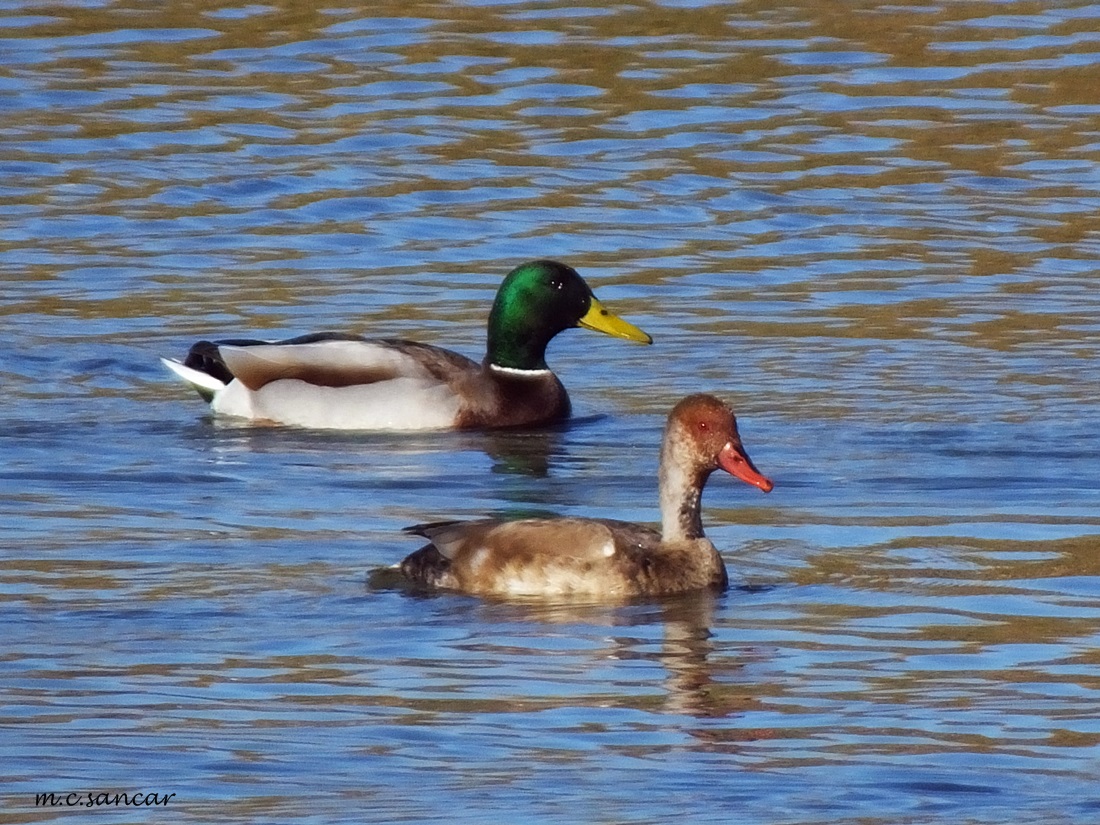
<point>338,381</point>
<point>600,558</point>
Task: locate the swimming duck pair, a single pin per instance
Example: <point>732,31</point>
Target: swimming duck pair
<point>339,381</point>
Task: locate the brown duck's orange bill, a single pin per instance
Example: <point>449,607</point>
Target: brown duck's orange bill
<point>735,461</point>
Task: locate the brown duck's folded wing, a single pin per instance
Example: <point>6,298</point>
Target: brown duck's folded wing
<point>338,361</point>
<point>581,539</point>
<point>627,534</point>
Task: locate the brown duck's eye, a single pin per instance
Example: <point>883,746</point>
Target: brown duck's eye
<point>703,426</point>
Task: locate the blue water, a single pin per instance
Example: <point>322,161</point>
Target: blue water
<point>871,228</point>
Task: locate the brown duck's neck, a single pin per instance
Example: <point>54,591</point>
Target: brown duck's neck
<point>681,491</point>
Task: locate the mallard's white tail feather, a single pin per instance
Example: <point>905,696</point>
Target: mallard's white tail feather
<point>205,385</point>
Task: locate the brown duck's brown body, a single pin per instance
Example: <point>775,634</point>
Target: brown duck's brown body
<point>601,558</point>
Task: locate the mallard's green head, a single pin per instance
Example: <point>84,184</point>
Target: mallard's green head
<point>537,301</point>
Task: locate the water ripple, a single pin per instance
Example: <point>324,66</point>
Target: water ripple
<point>873,228</point>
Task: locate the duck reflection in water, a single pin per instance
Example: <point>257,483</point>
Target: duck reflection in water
<point>512,452</point>
<point>675,663</point>
<point>701,679</point>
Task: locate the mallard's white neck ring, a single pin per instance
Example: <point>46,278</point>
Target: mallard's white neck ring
<point>519,372</point>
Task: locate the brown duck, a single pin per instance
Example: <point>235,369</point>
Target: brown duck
<point>601,558</point>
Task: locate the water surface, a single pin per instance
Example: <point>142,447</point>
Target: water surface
<point>871,227</point>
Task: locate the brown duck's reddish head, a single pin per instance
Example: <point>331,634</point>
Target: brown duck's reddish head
<point>709,424</point>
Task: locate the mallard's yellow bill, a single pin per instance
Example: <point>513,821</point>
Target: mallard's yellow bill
<point>602,320</point>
